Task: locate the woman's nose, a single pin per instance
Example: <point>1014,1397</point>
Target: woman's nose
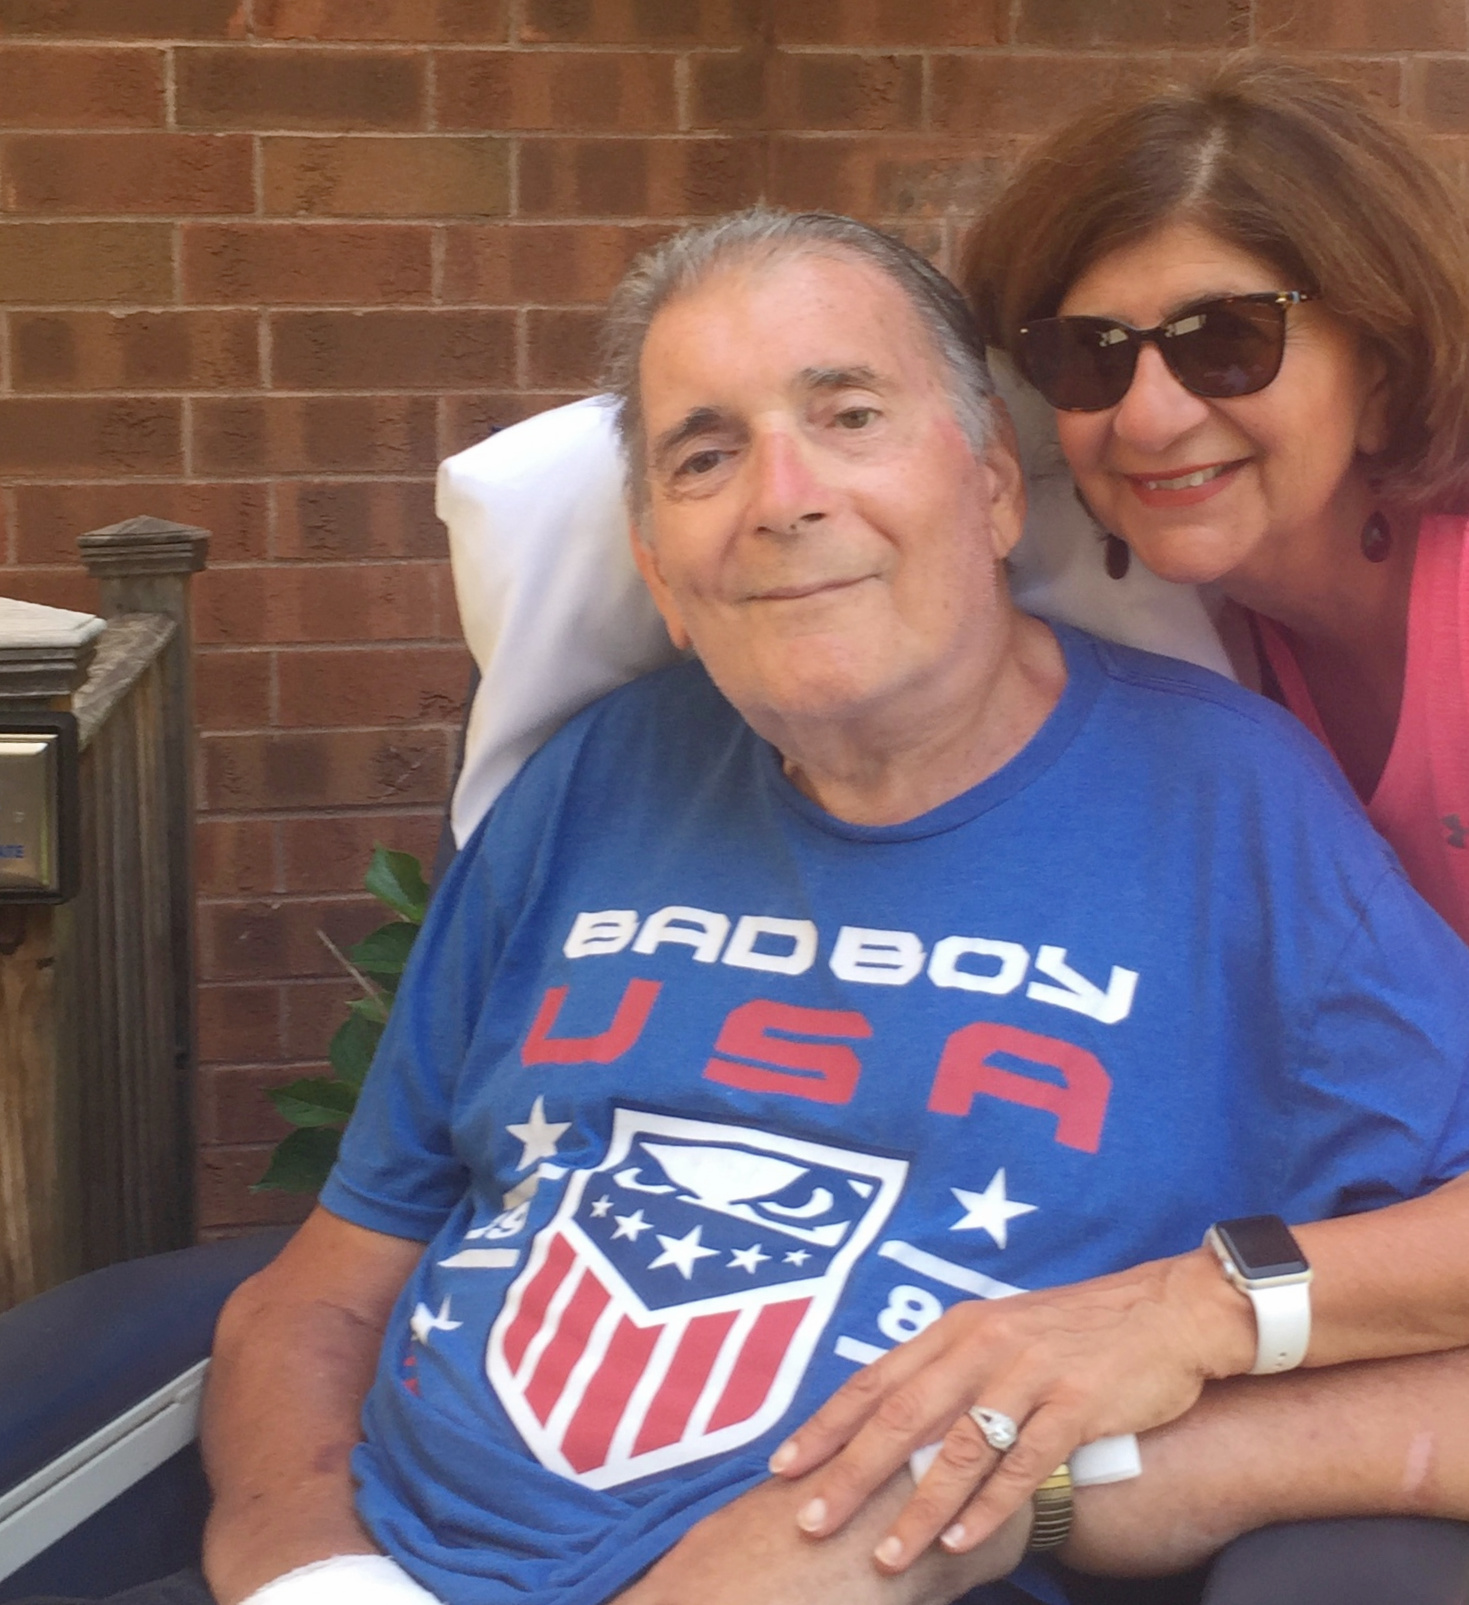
<point>1157,409</point>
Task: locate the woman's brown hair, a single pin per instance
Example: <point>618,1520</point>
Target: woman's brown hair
<point>1294,168</point>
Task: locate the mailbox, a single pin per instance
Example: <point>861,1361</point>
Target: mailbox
<point>39,837</point>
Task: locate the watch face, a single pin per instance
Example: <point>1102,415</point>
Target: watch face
<point>1261,1246</point>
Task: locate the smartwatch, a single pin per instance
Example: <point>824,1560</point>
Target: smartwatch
<point>1262,1259</point>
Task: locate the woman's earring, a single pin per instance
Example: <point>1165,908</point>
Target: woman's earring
<point>1117,555</point>
<point>1376,539</point>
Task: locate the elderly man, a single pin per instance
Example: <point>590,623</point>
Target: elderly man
<point>899,954</point>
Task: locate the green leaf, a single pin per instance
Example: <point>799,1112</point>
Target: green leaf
<point>374,1009</point>
<point>315,1101</point>
<point>353,1045</point>
<point>397,880</point>
<point>386,951</point>
<point>301,1163</point>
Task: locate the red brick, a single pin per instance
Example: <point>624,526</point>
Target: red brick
<point>232,692</point>
<point>980,94</point>
<point>54,587</point>
<point>1361,24</point>
<point>44,264</point>
<point>231,1105</point>
<point>337,520</point>
<point>1081,23</point>
<point>363,176</point>
<point>315,434</point>
<point>640,22</point>
<point>138,19</point>
<point>589,178</point>
<point>233,856</point>
<point>331,854</point>
<point>128,173</point>
<point>41,87</point>
<point>586,90</point>
<point>330,769</point>
<point>374,686</point>
<point>305,263</point>
<point>507,264</point>
<point>1443,95</point>
<point>921,23</point>
<point>469,419</point>
<point>563,349</point>
<point>392,350</point>
<point>921,178</point>
<point>223,1200</point>
<point>138,350</point>
<point>317,602</point>
<point>50,517</point>
<point>92,439</point>
<point>313,1011</point>
<point>391,21</point>
<point>280,937</point>
<point>808,91</point>
<point>245,87</point>
<point>239,1024</point>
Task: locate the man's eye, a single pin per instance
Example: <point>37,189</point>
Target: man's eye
<point>702,462</point>
<point>855,417</point>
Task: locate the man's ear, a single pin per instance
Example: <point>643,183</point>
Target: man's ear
<point>647,561</point>
<point>1006,483</point>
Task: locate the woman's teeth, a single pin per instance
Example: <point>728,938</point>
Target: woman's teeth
<point>1187,481</point>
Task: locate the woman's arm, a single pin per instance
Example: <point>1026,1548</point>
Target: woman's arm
<point>1122,1353</point>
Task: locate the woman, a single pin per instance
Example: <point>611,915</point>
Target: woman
<point>1294,424</point>
<point>1248,302</point>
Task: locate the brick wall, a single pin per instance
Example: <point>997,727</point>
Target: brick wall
<point>264,262</point>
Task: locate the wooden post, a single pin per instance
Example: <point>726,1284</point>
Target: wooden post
<point>44,654</point>
<point>144,566</point>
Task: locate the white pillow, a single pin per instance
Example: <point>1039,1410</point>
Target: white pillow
<point>555,613</point>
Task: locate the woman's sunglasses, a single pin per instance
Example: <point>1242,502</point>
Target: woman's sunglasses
<point>1231,346</point>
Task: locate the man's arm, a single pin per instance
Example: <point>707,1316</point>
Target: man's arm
<point>294,1355</point>
<point>1384,1438</point>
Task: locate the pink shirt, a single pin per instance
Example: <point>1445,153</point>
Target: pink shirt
<point>1422,800</point>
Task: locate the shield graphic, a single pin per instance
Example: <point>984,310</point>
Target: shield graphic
<point>669,1308</point>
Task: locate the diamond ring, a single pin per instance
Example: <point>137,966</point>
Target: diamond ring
<point>997,1429</point>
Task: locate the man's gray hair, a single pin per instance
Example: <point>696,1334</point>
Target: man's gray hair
<point>679,265</point>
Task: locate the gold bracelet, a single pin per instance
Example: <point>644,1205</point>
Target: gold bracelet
<point>1054,1509</point>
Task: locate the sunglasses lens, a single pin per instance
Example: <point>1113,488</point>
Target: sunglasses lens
<point>1078,364</point>
<point>1231,347</point>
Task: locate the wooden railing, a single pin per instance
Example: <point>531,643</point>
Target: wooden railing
<point>97,995</point>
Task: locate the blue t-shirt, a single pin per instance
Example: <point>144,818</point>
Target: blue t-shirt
<point>705,1098</point>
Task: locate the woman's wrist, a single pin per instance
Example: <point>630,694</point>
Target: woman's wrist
<point>1220,1318</point>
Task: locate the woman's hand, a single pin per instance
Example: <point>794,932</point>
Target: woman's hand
<point>1119,1354</point>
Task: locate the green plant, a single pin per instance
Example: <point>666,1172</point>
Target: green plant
<point>320,1106</point>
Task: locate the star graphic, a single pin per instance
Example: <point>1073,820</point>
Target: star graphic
<point>631,1226</point>
<point>539,1135</point>
<point>424,1322</point>
<point>990,1210</point>
<point>600,1208</point>
<point>747,1259</point>
<point>682,1252</point>
<point>797,1256</point>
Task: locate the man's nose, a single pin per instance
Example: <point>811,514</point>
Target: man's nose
<point>787,491</point>
<point>1156,410</point>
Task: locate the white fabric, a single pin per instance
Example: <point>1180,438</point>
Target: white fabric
<point>555,613</point>
<point>345,1580</point>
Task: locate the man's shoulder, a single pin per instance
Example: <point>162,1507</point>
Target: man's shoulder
<point>1203,712</point>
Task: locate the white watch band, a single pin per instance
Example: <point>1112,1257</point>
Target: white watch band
<point>1282,1326</point>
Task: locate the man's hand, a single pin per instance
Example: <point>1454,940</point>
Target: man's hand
<point>294,1356</point>
<point>1119,1354</point>
<point>751,1553</point>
